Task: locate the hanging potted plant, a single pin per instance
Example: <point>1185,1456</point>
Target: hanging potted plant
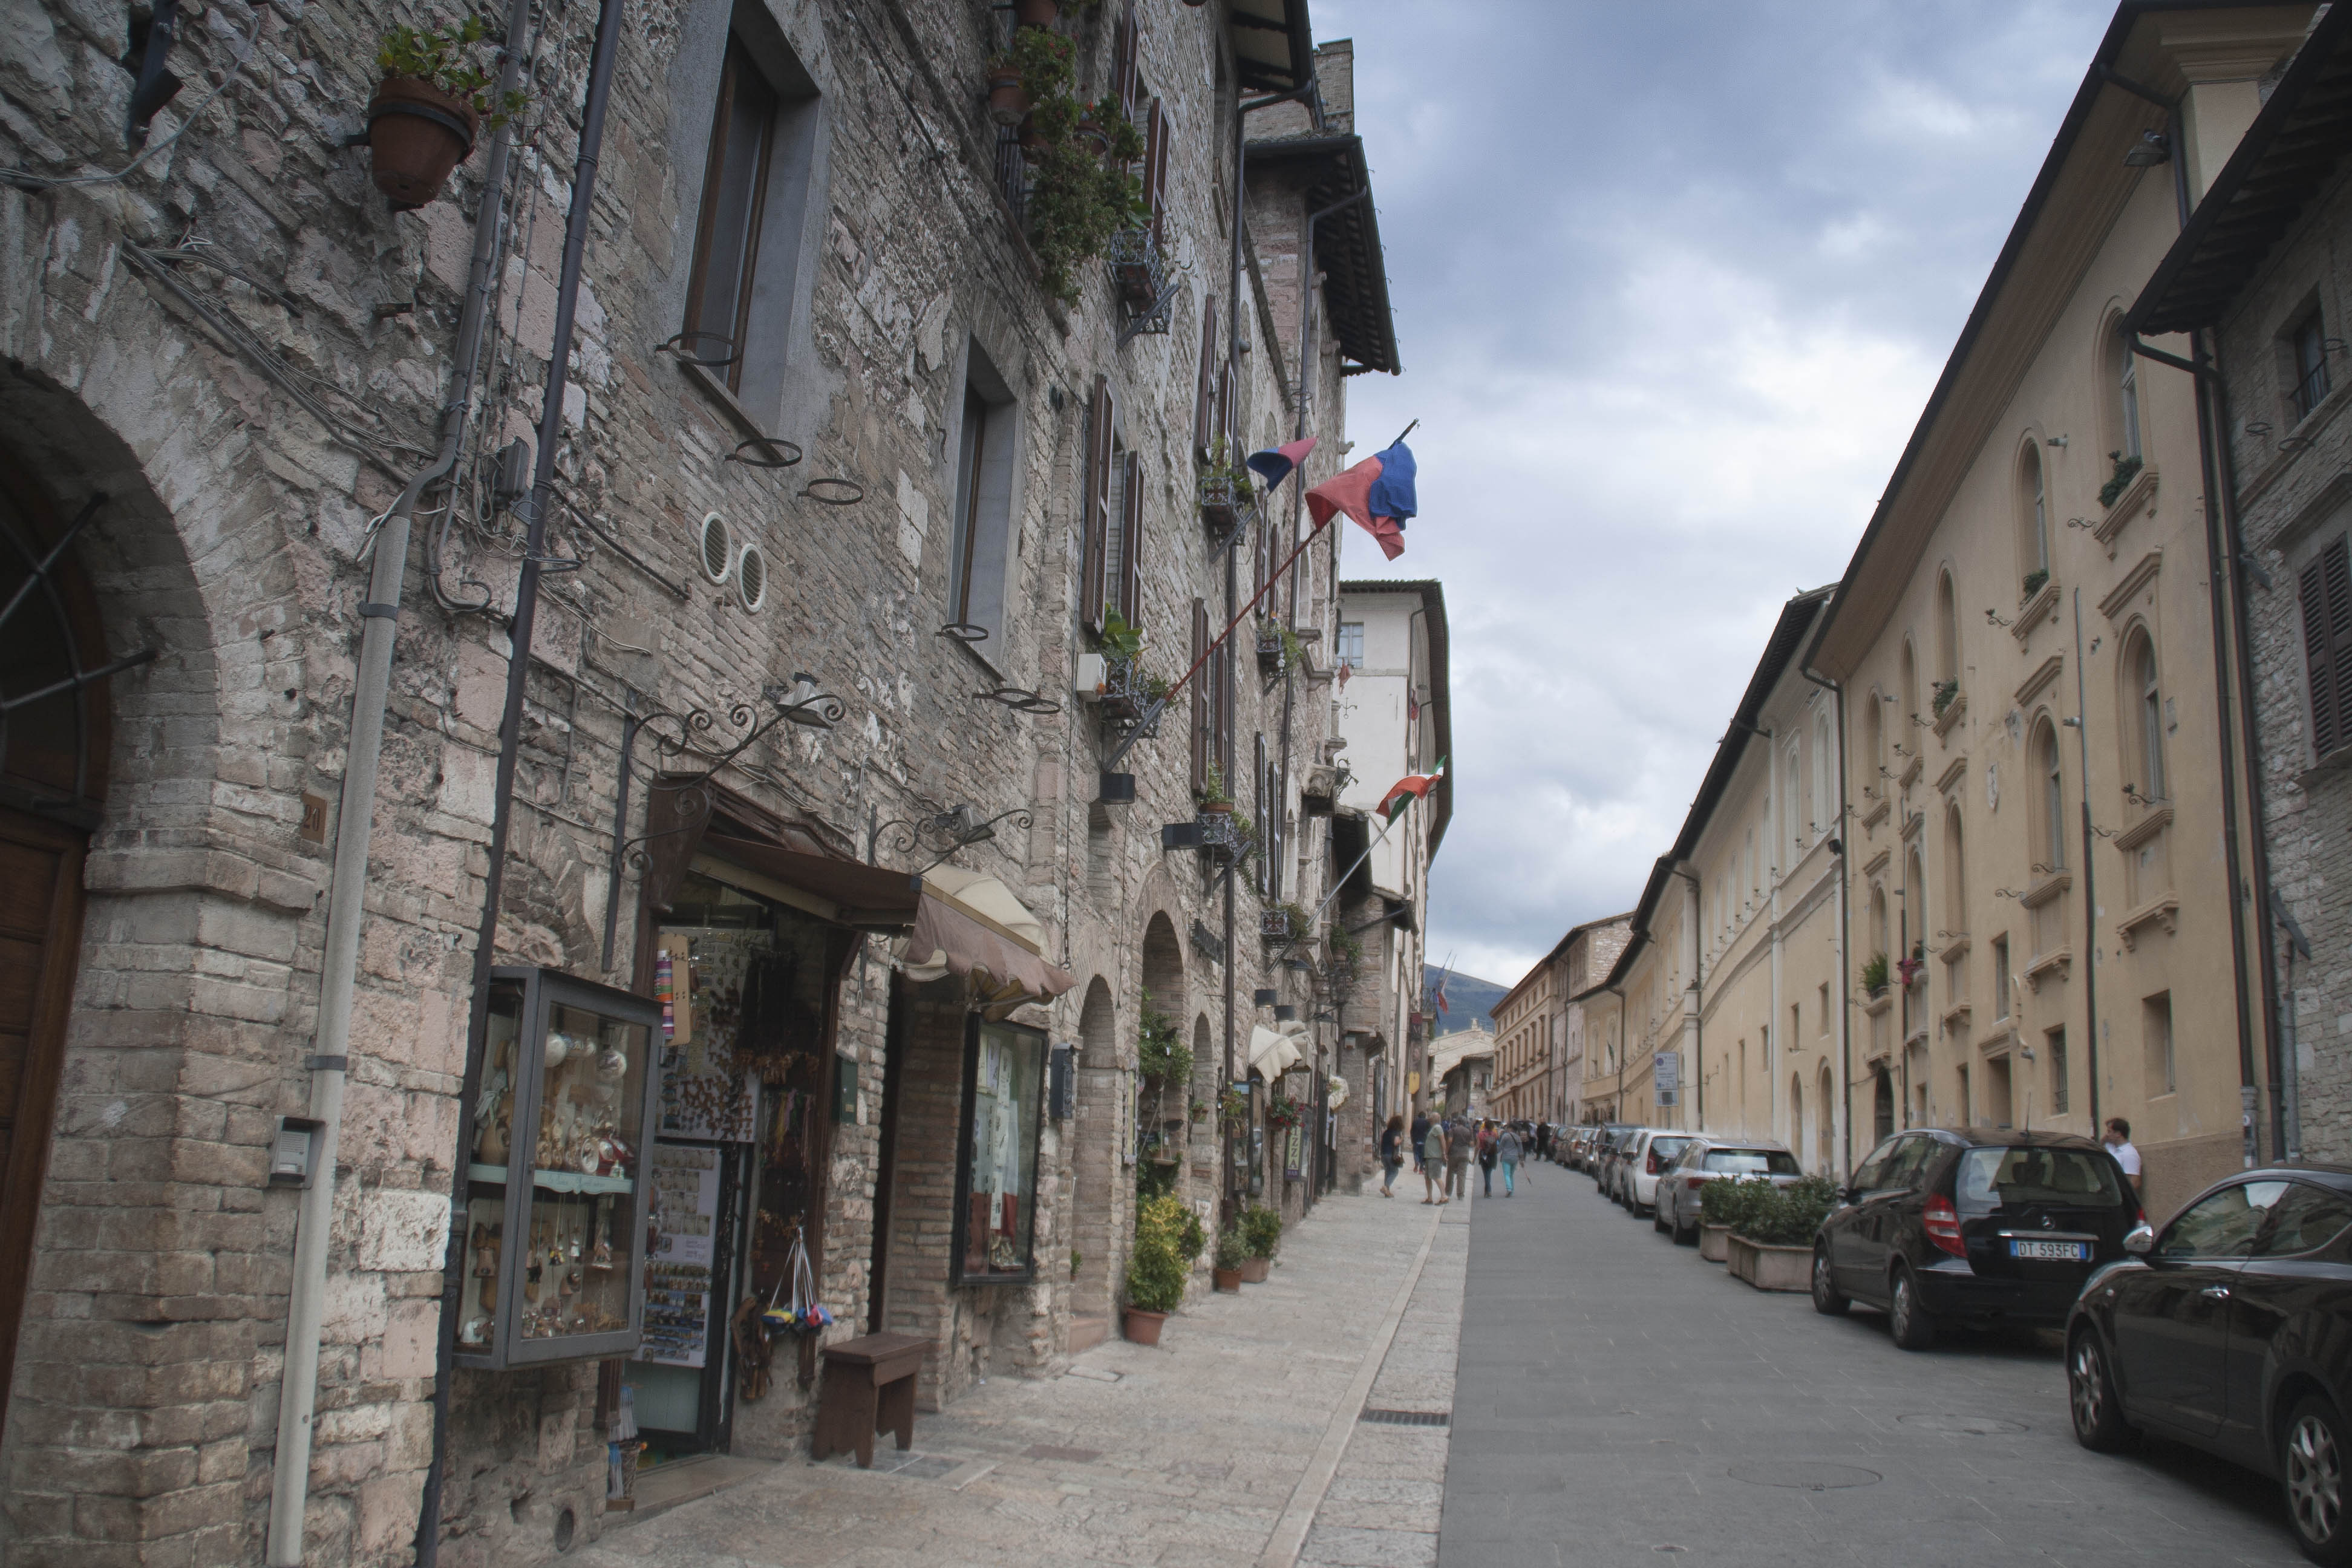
<point>433,99</point>
<point>1008,101</point>
<point>1873,975</point>
<point>1029,86</point>
<point>1212,799</point>
<point>1233,1111</point>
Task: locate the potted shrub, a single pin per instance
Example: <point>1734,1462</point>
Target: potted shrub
<point>433,99</point>
<point>1233,1111</point>
<point>1080,197</point>
<point>1261,1236</point>
<point>2126,469</point>
<point>1771,1247</point>
<point>1008,100</point>
<point>1212,798</point>
<point>1946,693</point>
<point>1722,1205</point>
<point>2033,585</point>
<point>1226,1270</point>
<point>1157,1268</point>
<point>1226,487</point>
<point>1873,975</point>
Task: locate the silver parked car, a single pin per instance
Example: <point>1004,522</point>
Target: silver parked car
<point>1675,1208</point>
<point>1647,1159</point>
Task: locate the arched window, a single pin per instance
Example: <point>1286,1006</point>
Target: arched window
<point>1910,683</point>
<point>2049,820</point>
<point>2033,519</point>
<point>1797,1115</point>
<point>1827,1099</point>
<point>2144,699</point>
<point>1794,794</point>
<point>1874,728</point>
<point>1825,796</point>
<point>1878,941</point>
<point>1915,897</point>
<point>1955,900</point>
<point>1948,637</point>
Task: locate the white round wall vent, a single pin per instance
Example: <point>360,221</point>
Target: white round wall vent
<point>718,547</point>
<point>751,577</point>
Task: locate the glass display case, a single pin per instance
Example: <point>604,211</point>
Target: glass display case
<point>996,1170</point>
<point>555,1230</point>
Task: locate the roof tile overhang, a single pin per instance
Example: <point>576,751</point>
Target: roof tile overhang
<point>1274,44</point>
<point>1346,242</point>
<point>2076,197</point>
<point>1431,594</point>
<point>2290,152</point>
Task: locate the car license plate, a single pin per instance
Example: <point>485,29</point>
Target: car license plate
<point>2064,1251</point>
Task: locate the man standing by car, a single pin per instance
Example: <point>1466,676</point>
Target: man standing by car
<point>2118,1142</point>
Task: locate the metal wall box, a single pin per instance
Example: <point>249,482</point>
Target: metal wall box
<point>555,1221</point>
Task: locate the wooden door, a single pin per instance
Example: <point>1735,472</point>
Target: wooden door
<point>40,932</point>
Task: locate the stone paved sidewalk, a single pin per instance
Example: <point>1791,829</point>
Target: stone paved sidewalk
<point>1187,1454</point>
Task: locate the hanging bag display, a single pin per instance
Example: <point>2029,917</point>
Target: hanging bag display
<point>804,1315</point>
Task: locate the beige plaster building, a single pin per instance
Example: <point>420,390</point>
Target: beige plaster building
<point>1539,1053</point>
<point>2045,786</point>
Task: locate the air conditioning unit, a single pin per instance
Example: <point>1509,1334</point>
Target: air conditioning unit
<point>1091,676</point>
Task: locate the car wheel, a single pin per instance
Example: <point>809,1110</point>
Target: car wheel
<point>1826,1299</point>
<point>2099,1424</point>
<point>1685,1234</point>
<point>2311,1471</point>
<point>1658,1220</point>
<point>1914,1329</point>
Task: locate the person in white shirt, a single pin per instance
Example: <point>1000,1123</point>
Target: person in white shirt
<point>2118,1142</point>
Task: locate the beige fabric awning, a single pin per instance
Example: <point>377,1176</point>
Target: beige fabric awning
<point>969,924</point>
<point>1273,1052</point>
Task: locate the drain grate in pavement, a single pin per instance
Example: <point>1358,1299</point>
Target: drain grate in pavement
<point>1967,1425</point>
<point>1804,1475</point>
<point>1066,1456</point>
<point>1405,1418</point>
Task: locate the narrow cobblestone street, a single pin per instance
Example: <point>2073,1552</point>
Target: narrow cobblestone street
<point>1621,1400</point>
<point>1216,1448</point>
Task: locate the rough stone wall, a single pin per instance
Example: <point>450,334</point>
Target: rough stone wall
<point>249,435</point>
<point>2291,506</point>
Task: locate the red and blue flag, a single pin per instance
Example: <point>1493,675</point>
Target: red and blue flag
<point>1273,463</point>
<point>1377,494</point>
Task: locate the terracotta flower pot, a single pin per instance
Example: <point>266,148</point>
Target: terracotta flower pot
<point>1228,1279</point>
<point>1140,1327</point>
<point>1221,808</point>
<point>1033,140</point>
<point>1008,101</point>
<point>416,134</point>
<point>1035,13</point>
<point>1093,137</point>
<point>1254,1270</point>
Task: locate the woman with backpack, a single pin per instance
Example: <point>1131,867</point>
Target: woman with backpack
<point>1391,1153</point>
<point>1510,1150</point>
<point>1433,1151</point>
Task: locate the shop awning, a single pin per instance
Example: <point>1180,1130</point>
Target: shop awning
<point>1271,1052</point>
<point>848,891</point>
<point>1339,1090</point>
<point>966,924</point>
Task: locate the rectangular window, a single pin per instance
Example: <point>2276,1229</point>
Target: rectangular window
<point>2325,589</point>
<point>983,542</point>
<point>1205,389</point>
<point>2001,977</point>
<point>754,202</point>
<point>996,1179</point>
<point>1203,705</point>
<point>1822,999</point>
<point>2054,1044</point>
<point>1351,644</point>
<point>2307,345</point>
<point>2156,1033</point>
<point>1967,1119</point>
<point>1095,513</point>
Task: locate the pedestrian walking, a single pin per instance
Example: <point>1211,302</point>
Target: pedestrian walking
<point>1431,1153</point>
<point>1543,1140</point>
<point>1461,1142</point>
<point>2118,1138</point>
<point>1510,1150</point>
<point>1420,1136</point>
<point>1391,1153</point>
<point>1486,1157</point>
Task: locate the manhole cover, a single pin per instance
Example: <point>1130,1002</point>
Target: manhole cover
<point>1967,1425</point>
<point>1066,1455</point>
<point>1802,1476</point>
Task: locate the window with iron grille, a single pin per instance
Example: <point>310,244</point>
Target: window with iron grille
<point>2308,344</point>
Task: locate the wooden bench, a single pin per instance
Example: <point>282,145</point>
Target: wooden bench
<point>869,1387</point>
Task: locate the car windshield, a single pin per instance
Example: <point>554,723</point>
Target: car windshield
<point>2078,1178</point>
<point>1753,1161</point>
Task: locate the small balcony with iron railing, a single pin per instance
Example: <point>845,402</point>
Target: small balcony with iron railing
<point>2311,391</point>
<point>1142,281</point>
<point>1127,694</point>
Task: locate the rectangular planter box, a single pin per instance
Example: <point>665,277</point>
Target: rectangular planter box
<point>1710,1241</point>
<point>1770,1267</point>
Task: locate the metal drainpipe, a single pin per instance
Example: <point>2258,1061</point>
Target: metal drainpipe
<point>289,1488</point>
<point>2090,880</point>
<point>1845,969</point>
<point>551,432</point>
<point>1698,1003</point>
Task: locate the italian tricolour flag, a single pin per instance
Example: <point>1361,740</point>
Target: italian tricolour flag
<point>1408,789</point>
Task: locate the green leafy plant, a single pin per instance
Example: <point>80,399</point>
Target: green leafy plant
<point>1345,946</point>
<point>1261,1230</point>
<point>1076,202</point>
<point>1728,1202</point>
<point>1199,1109</point>
<point>1157,1268</point>
<point>1120,639</point>
<point>1947,692</point>
<point>1787,1216</point>
<point>1195,1238</point>
<point>1874,974</point>
<point>1234,1109</point>
<point>1160,1051</point>
<point>2126,470</point>
<point>2033,582</point>
<point>1231,1249</point>
<point>1076,1256</point>
<point>1213,789</point>
<point>1228,464</point>
<point>1046,60</point>
<point>1282,1112</point>
<point>456,60</point>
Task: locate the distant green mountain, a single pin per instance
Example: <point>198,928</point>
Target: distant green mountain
<point>1466,997</point>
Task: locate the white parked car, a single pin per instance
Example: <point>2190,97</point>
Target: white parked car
<point>1675,1206</point>
<point>1645,1161</point>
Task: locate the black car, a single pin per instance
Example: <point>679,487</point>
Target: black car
<point>2231,1330</point>
<point>1985,1227</point>
<point>1614,1136</point>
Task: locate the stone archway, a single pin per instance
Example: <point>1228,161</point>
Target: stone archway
<point>1094,1177</point>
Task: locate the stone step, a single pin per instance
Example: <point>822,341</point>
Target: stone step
<point>1087,1330</point>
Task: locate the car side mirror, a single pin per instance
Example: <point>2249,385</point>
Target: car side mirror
<point>1845,1195</point>
<point>2139,1241</point>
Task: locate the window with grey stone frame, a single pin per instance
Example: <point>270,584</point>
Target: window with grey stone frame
<point>982,546</point>
<point>756,200</point>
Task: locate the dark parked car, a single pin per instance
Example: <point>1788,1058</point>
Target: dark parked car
<point>1614,1135</point>
<point>1981,1227</point>
<point>2231,1330</point>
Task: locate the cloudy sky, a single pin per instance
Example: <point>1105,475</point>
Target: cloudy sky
<point>1672,282</point>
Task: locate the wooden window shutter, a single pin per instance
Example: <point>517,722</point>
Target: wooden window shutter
<point>1223,665</point>
<point>2326,593</point>
<point>1260,809</point>
<point>1204,395</point>
<point>1155,167</point>
<point>1201,698</point>
<point>1124,48</point>
<point>1095,507</point>
<point>1228,408</point>
<point>1131,553</point>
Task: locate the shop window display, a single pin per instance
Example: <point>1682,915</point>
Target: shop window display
<point>1004,1070</point>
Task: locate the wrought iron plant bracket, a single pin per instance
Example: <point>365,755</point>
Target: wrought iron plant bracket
<point>940,834</point>
<point>1144,282</point>
<point>689,735</point>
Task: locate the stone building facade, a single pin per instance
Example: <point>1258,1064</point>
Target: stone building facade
<point>228,365</point>
<point>2255,289</point>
